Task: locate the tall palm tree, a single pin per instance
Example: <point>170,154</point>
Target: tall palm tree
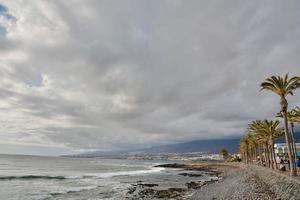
<point>291,119</point>
<point>296,119</point>
<point>260,138</point>
<point>246,148</point>
<point>284,86</point>
<point>271,130</point>
<point>265,131</point>
<point>252,146</point>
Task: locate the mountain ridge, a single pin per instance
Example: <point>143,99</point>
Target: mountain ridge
<point>212,146</point>
<point>209,146</point>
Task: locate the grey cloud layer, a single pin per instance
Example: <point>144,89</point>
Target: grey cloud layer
<point>111,74</point>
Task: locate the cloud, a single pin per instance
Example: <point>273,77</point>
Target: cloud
<point>113,75</point>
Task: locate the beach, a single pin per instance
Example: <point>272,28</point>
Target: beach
<point>242,181</point>
<point>237,181</point>
<point>60,178</point>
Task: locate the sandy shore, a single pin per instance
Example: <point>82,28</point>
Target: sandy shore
<point>249,182</point>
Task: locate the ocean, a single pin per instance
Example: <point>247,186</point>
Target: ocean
<point>63,178</point>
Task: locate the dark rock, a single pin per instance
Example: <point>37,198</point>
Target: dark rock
<point>198,168</point>
<point>131,190</point>
<point>147,184</point>
<point>147,192</point>
<point>190,174</point>
<point>174,165</point>
<point>170,193</point>
<point>166,194</point>
<point>191,167</point>
<point>194,185</point>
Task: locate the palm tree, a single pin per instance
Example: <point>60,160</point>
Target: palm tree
<point>291,117</point>
<point>271,130</point>
<point>248,147</point>
<point>283,87</point>
<point>265,132</point>
<point>296,119</point>
<point>254,129</point>
<point>251,146</point>
<point>224,153</point>
<point>296,114</point>
<point>244,150</point>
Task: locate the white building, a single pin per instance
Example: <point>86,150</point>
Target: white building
<point>281,149</point>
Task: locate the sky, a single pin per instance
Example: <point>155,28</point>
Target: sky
<point>85,75</point>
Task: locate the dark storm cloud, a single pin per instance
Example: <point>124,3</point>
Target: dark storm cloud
<point>111,74</point>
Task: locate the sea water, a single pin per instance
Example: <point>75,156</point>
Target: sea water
<point>34,177</point>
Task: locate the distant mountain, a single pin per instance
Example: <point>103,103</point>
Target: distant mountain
<point>282,139</point>
<point>210,146</point>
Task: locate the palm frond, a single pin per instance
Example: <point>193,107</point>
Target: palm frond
<point>281,85</point>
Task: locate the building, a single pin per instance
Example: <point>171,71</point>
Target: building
<point>282,151</point>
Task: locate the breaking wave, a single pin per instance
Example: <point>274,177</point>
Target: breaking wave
<point>92,175</point>
<point>124,173</point>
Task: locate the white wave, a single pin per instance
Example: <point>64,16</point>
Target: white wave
<point>125,173</point>
<point>75,177</point>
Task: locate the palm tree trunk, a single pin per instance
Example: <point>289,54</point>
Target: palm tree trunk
<point>260,154</point>
<point>293,140</point>
<point>255,153</point>
<point>265,156</point>
<point>284,105</point>
<point>251,154</point>
<point>273,153</point>
<point>268,155</point>
<point>271,157</point>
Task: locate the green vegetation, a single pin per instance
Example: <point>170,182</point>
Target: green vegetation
<point>258,143</point>
<point>224,153</point>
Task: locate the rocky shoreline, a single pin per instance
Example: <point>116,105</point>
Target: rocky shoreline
<point>223,181</point>
<point>253,183</point>
<point>198,172</point>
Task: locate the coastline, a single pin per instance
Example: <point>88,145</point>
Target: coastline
<point>243,181</point>
<point>235,181</point>
<point>187,178</point>
<point>136,180</point>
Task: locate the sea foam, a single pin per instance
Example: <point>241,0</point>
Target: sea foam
<point>124,173</point>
